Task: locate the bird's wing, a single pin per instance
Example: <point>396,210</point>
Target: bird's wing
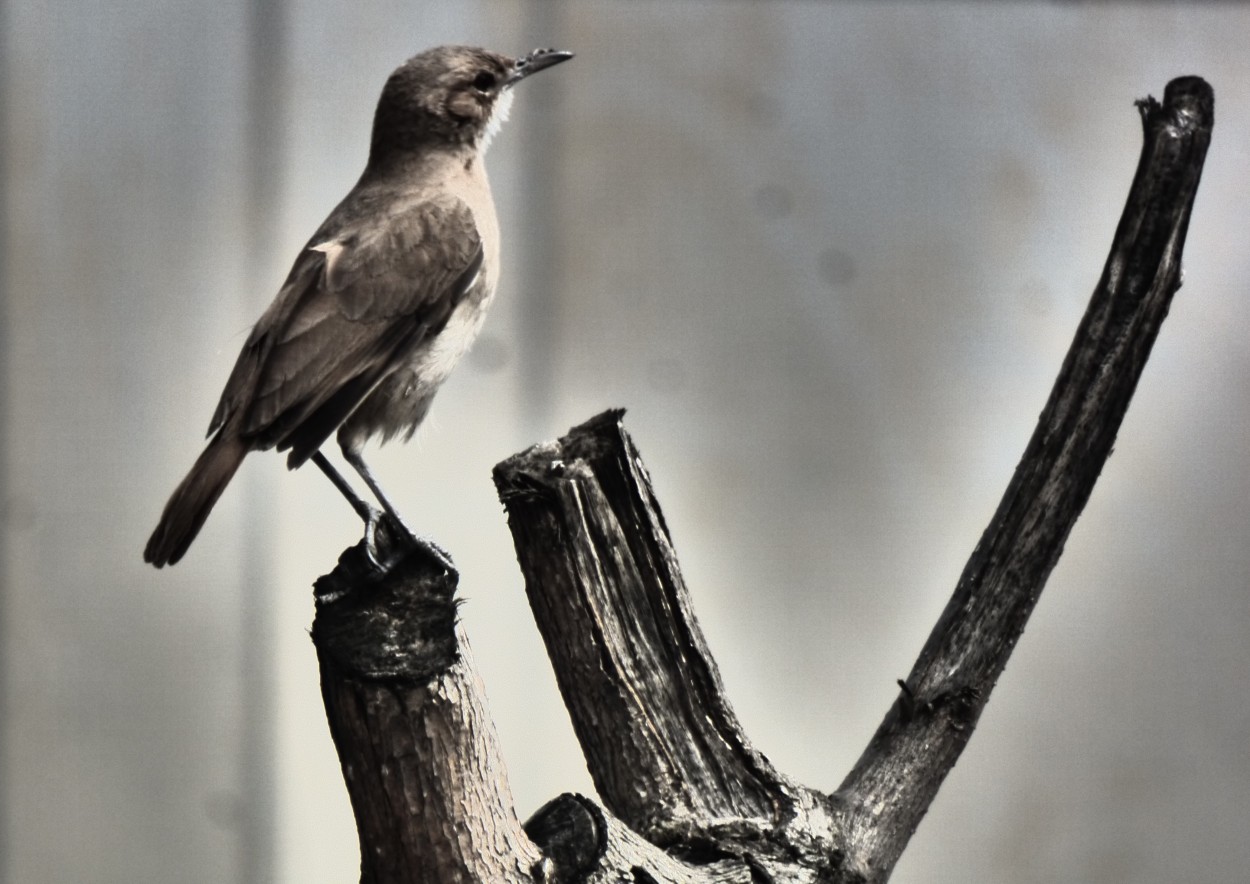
<point>352,307</point>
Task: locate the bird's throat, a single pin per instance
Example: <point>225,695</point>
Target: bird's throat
<point>499,115</point>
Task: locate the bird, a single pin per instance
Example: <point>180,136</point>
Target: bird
<point>381,302</point>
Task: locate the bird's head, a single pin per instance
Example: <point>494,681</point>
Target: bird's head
<point>451,95</point>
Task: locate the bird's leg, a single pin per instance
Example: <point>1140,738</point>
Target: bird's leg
<point>440,555</point>
<point>358,464</point>
<point>370,515</point>
<point>366,512</point>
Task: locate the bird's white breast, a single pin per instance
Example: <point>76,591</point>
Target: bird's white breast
<point>432,364</point>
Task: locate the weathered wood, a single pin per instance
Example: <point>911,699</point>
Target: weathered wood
<point>893,783</point>
<point>662,744</point>
<point>408,716</point>
<point>586,845</point>
<point>660,738</point>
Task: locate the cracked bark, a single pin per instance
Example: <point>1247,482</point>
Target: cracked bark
<point>408,716</point>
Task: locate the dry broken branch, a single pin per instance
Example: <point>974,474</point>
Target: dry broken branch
<point>686,797</point>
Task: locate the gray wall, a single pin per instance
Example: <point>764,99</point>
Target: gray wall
<point>829,256</point>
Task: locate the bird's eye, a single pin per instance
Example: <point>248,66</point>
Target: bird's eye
<point>484,81</point>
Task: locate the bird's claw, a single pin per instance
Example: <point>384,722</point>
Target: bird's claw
<point>387,539</point>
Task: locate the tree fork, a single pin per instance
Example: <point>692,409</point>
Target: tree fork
<point>686,797</point>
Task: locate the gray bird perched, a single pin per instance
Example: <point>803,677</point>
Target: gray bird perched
<point>384,299</point>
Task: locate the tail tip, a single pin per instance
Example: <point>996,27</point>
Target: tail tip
<point>156,552</point>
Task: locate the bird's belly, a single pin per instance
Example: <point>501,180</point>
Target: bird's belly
<point>400,402</point>
<point>430,364</point>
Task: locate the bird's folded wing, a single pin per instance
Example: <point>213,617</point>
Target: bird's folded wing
<point>352,308</point>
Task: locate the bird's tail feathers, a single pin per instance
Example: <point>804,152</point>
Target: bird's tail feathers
<point>193,500</point>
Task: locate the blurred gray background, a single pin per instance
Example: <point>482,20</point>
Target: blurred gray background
<point>829,255</point>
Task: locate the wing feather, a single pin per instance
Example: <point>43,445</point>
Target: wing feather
<point>354,307</point>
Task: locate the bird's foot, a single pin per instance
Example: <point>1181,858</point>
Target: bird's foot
<point>387,540</point>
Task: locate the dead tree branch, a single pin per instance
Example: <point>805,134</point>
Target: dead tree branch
<point>408,716</point>
<point>891,786</point>
<point>686,797</point>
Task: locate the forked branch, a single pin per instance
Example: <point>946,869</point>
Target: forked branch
<point>687,799</point>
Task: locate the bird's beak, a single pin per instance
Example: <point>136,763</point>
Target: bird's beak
<point>538,60</point>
